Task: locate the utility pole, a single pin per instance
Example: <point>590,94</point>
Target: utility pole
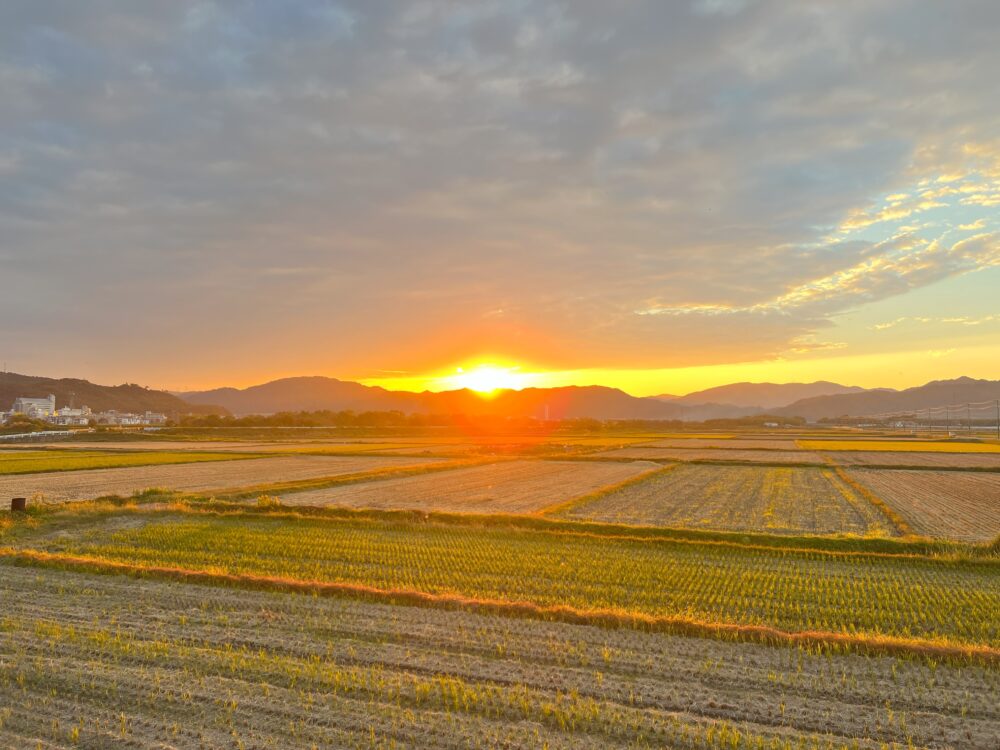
<point>998,419</point>
<point>947,420</point>
<point>968,416</point>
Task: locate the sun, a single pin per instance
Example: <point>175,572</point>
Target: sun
<point>487,378</point>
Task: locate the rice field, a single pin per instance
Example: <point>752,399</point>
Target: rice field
<point>788,589</point>
<point>505,487</point>
<point>201,477</point>
<point>780,500</point>
<point>103,661</point>
<point>952,505</point>
<point>450,591</point>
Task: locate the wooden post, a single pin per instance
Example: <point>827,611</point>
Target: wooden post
<point>18,504</point>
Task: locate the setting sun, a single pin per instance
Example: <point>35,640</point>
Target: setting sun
<point>487,378</point>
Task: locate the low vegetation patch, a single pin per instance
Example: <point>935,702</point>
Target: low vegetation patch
<point>38,461</point>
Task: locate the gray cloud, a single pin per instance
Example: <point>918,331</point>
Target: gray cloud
<point>359,185</point>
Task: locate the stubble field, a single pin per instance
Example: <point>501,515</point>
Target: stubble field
<point>82,485</point>
<point>782,500</point>
<point>103,661</point>
<point>505,487</point>
<point>952,505</point>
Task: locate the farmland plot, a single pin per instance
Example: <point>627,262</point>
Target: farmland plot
<point>737,498</point>
<point>505,487</point>
<point>950,504</point>
<point>710,454</point>
<point>906,459</point>
<point>36,461</point>
<point>149,446</point>
<point>727,444</point>
<point>918,446</point>
<point>102,661</point>
<point>80,485</point>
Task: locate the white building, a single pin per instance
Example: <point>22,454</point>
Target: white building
<point>45,409</point>
<point>36,408</point>
<point>72,417</point>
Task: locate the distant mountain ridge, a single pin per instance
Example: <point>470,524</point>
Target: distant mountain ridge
<point>810,400</point>
<point>764,395</point>
<point>878,401</point>
<point>125,398</point>
<point>317,393</point>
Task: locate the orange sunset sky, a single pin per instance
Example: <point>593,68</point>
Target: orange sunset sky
<point>661,197</point>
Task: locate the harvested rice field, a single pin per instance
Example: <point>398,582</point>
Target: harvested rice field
<point>452,592</point>
<point>100,661</point>
<point>504,487</point>
<point>710,454</point>
<point>949,504</point>
<point>920,446</point>
<point>915,459</point>
<point>772,499</point>
<point>83,485</point>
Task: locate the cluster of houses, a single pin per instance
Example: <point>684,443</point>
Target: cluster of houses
<point>45,410</point>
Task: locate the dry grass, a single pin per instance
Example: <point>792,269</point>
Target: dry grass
<point>80,485</point>
<point>964,506</point>
<point>735,498</point>
<point>505,487</point>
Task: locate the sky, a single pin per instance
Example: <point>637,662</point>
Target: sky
<point>661,197</point>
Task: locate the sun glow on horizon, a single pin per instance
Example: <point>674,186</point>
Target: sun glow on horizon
<point>487,378</point>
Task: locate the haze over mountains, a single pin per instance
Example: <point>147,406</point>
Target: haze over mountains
<point>810,400</point>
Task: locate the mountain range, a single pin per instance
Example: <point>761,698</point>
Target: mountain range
<point>813,401</point>
<point>880,400</point>
<point>762,395</point>
<point>810,400</point>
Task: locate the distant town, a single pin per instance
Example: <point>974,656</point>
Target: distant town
<point>44,409</point>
